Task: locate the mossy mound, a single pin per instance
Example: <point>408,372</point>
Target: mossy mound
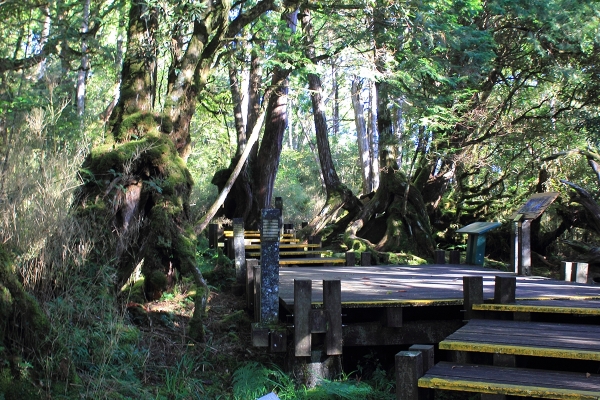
<point>137,194</point>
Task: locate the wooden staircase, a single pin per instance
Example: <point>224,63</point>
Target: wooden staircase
<point>547,348</point>
<point>292,253</point>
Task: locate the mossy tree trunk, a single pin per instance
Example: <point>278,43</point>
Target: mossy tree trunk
<point>23,324</point>
<point>138,186</point>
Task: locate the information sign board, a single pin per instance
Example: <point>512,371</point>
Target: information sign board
<point>536,205</point>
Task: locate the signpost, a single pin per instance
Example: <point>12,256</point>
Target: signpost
<point>521,243</point>
<point>476,240</point>
<point>269,265</point>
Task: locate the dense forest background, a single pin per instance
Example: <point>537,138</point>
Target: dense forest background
<point>126,126</point>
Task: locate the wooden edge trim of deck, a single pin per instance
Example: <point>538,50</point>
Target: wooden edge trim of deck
<point>519,350</point>
<point>323,253</point>
<point>286,246</point>
<point>314,260</point>
<point>542,298</point>
<point>538,309</point>
<point>507,389</point>
<point>394,303</point>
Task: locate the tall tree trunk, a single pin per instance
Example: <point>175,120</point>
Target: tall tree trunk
<point>338,195</point>
<point>336,101</point>
<point>85,62</point>
<point>266,165</point>
<point>406,222</point>
<point>238,117</point>
<point>373,135</point>
<point>364,146</point>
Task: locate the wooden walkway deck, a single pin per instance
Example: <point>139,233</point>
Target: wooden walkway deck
<point>426,285</point>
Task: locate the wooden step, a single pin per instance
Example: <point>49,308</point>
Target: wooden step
<point>294,253</point>
<point>573,341</point>
<point>283,240</point>
<point>254,234</point>
<point>551,306</point>
<point>286,246</point>
<point>312,261</point>
<point>512,381</point>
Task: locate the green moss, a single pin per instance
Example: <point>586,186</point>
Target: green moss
<point>32,319</point>
<point>135,292</point>
<point>157,279</point>
<point>402,259</point>
<point>136,126</point>
<point>16,388</point>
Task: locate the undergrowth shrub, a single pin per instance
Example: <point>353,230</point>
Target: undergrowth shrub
<point>253,380</point>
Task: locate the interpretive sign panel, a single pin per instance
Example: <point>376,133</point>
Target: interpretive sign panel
<point>536,205</point>
<point>478,227</point>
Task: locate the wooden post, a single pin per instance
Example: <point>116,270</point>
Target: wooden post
<point>279,206</point>
<point>315,240</point>
<point>289,229</point>
<point>332,303</point>
<point>257,292</point>
<point>472,294</point>
<point>504,289</point>
<point>213,236</point>
<point>350,259</point>
<point>427,352</point>
<point>251,264</point>
<point>428,355</point>
<point>365,258</point>
<point>229,244</point>
<point>269,265</point>
<point>440,257</point>
<point>566,271</point>
<point>581,272</point>
<point>409,368</point>
<point>454,257</point>
<point>525,250</point>
<point>515,244</point>
<point>302,308</point>
<point>239,250</point>
<point>278,341</point>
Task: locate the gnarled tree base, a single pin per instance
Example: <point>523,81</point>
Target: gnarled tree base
<point>395,220</point>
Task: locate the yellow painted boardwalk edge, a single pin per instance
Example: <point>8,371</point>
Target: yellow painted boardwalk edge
<point>540,309</point>
<point>519,350</point>
<point>507,389</point>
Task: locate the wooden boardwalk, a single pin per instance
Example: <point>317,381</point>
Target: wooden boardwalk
<point>425,285</point>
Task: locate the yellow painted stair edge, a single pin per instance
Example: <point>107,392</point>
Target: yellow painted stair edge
<point>511,390</point>
<point>519,350</point>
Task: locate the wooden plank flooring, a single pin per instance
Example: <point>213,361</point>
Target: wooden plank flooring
<point>402,285</point>
<point>541,339</point>
<point>512,381</point>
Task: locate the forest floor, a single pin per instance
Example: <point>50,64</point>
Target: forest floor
<point>175,364</point>
<point>202,370</point>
